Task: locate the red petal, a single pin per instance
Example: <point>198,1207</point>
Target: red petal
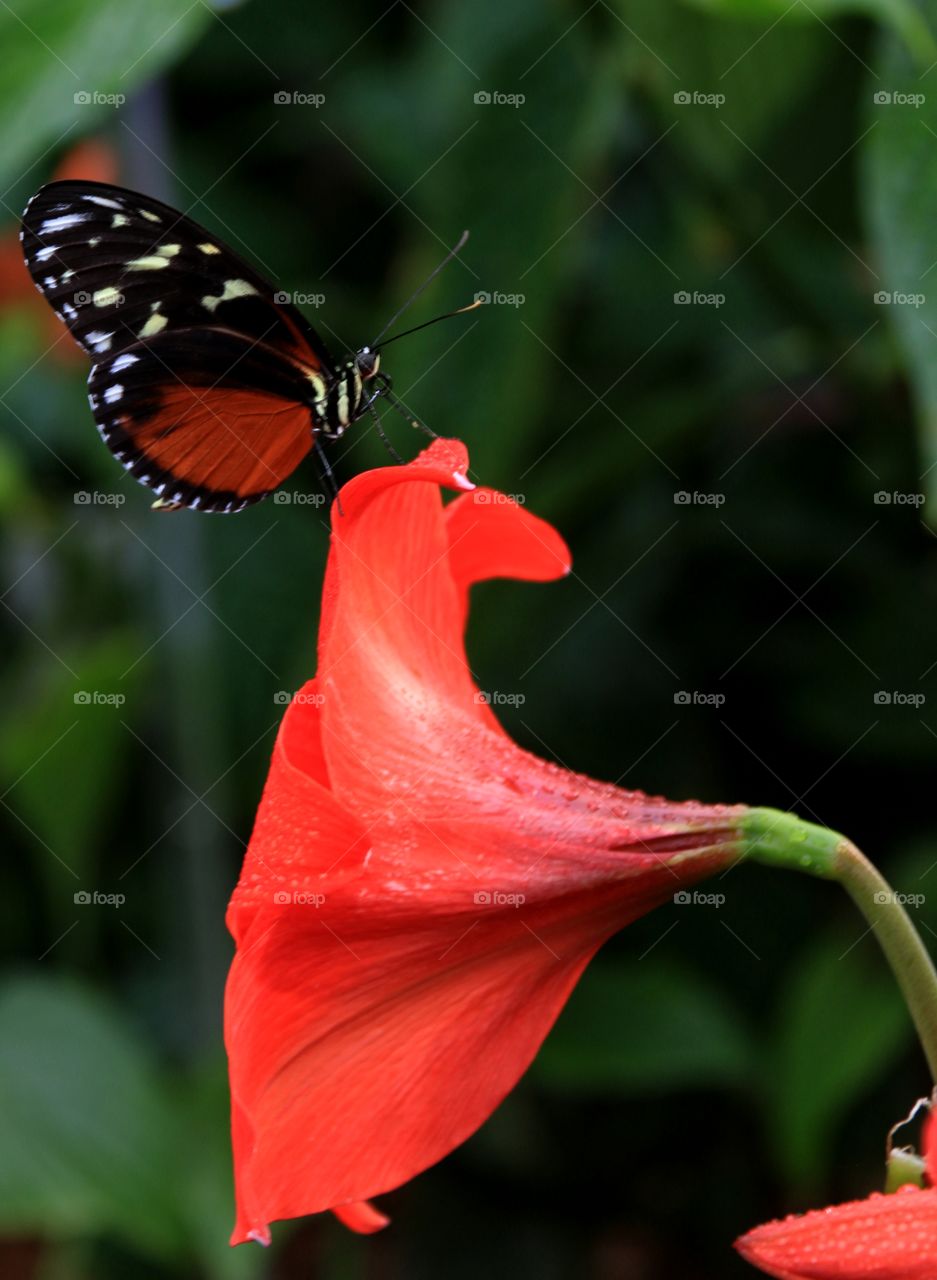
<point>91,160</point>
<point>883,1238</point>
<point>372,1032</point>
<point>301,832</point>
<point>492,537</point>
<point>361,1217</point>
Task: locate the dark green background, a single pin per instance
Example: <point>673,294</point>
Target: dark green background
<point>717,1066</point>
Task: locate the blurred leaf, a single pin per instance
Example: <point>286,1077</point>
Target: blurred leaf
<point>72,729</point>
<point>54,50</point>
<point>841,1025</point>
<point>901,15</point>
<point>204,1184</point>
<point>85,1128</point>
<point>900,195</point>
<point>633,1028</point>
<point>683,52</point>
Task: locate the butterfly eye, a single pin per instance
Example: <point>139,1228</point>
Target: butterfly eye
<point>368,362</point>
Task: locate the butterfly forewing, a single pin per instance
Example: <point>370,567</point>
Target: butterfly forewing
<point>203,376</point>
<point>118,267</point>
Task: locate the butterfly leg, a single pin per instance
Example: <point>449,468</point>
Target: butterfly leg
<point>325,471</point>
<point>380,431</point>
<point>401,408</point>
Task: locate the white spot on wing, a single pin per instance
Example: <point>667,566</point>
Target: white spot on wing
<point>99,340</point>
<point>62,223</point>
<point>123,362</point>
<point>113,393</point>
<point>103,201</point>
<point>154,325</point>
<point>151,262</point>
<point>232,289</point>
<point>46,252</point>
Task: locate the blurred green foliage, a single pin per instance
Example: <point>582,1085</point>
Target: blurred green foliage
<point>717,1065</point>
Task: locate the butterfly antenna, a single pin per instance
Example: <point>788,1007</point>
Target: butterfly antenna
<point>472,306</point>
<point>426,283</point>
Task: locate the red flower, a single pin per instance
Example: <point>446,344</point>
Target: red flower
<point>420,895</point>
<point>88,160</point>
<point>891,1237</point>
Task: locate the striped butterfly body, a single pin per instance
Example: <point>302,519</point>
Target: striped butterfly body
<point>206,387</point>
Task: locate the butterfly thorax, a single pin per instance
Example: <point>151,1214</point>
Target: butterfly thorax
<point>340,400</point>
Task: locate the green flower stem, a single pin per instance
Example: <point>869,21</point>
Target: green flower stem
<point>783,840</point>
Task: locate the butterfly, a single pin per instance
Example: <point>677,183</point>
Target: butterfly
<point>206,383</point>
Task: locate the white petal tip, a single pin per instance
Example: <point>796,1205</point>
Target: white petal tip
<point>462,482</point>
<point>261,1235</point>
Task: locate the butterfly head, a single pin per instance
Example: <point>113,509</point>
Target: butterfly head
<point>367,363</point>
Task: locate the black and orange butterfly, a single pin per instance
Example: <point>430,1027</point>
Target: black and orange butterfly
<point>206,383</point>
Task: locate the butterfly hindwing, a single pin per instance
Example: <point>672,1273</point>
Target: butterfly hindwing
<point>204,417</point>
